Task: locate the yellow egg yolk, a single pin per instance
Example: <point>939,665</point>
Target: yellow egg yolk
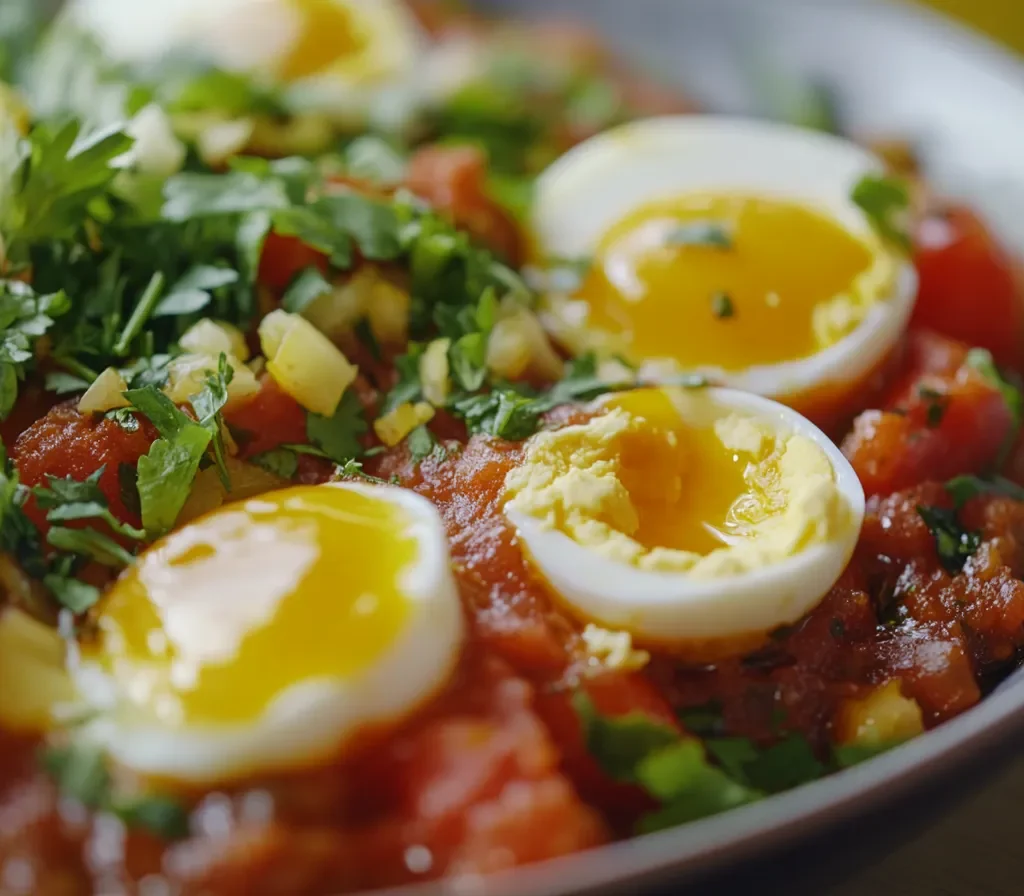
<point>720,281</point>
<point>221,617</point>
<point>329,33</point>
<point>685,484</point>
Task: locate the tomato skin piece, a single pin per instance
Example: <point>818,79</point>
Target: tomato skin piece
<point>925,353</point>
<point>453,180</point>
<point>68,443</point>
<point>267,420</point>
<point>906,445</point>
<point>969,287</point>
<point>285,256</point>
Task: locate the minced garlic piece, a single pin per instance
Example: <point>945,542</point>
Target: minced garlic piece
<point>613,649</point>
<point>518,346</point>
<point>105,394</point>
<point>397,424</point>
<point>212,337</point>
<point>434,372</point>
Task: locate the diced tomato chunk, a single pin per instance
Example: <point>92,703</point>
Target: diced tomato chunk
<point>969,287</point>
<point>925,353</point>
<point>68,443</point>
<point>269,419</point>
<point>453,180</point>
<point>946,426</point>
<point>285,256</point>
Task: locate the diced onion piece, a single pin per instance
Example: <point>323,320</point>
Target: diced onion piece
<point>397,424</point>
<point>105,394</point>
<point>304,362</point>
<point>335,313</point>
<point>220,140</point>
<point>885,716</point>
<point>434,371</point>
<point>32,672</point>
<point>208,492</point>
<point>614,650</point>
<point>518,345</point>
<point>187,375</point>
<point>388,311</point>
<point>212,337</point>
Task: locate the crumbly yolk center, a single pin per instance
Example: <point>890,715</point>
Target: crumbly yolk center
<point>221,617</point>
<point>720,281</point>
<point>691,493</point>
<point>328,33</point>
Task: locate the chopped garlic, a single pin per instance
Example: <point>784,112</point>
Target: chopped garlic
<point>211,337</point>
<point>187,375</point>
<point>397,424</point>
<point>304,362</point>
<point>518,345</point>
<point>105,394</point>
<point>156,150</point>
<point>613,649</point>
<point>434,370</point>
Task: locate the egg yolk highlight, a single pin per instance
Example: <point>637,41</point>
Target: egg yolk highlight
<point>222,616</point>
<point>723,281</point>
<point>329,32</point>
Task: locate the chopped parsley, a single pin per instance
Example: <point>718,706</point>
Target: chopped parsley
<point>963,488</point>
<point>722,305</point>
<point>886,202</point>
<point>935,404</point>
<point>712,234</point>
<point>338,436</point>
<point>982,361</point>
<point>954,544</point>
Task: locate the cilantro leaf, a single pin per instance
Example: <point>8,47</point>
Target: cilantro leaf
<point>504,413</point>
<point>209,404</point>
<point>370,158</point>
<point>955,545</point>
<point>422,444</point>
<point>712,234</point>
<point>886,202</point>
<point>981,360</point>
<point>281,462</point>
<point>408,387</point>
<point>192,291</point>
<point>306,288</point>
<point>848,755</point>
<point>338,436</point>
<point>91,544</point>
<point>373,224</point>
<point>192,195</point>
<point>74,595</point>
<point>70,500</point>
<point>166,475</point>
<point>963,488</point>
<point>620,744</point>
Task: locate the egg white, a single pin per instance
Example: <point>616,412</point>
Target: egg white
<point>598,183</point>
<point>310,719</point>
<point>674,608</point>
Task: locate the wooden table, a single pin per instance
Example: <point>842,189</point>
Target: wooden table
<point>976,850</point>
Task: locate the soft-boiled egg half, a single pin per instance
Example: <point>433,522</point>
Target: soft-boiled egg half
<point>336,53</point>
<point>270,633</point>
<point>697,520</point>
<point>726,247</point>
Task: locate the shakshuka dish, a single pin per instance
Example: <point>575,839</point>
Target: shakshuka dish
<point>432,447</point>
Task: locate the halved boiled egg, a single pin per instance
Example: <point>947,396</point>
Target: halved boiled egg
<point>726,247</point>
<point>698,519</point>
<point>337,51</point>
<point>270,633</point>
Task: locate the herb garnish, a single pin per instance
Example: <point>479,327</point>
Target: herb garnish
<point>935,405</point>
<point>713,234</point>
<point>722,305</point>
<point>886,202</point>
<point>982,361</point>
<point>955,545</point>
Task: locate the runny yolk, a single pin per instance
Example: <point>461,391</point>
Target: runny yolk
<point>721,281</point>
<point>222,616</point>
<point>328,34</point>
<point>691,493</point>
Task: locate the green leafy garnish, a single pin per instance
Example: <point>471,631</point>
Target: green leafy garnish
<point>935,405</point>
<point>338,436</point>
<point>981,360</point>
<point>306,288</point>
<point>886,202</point>
<point>722,305</point>
<point>504,413</point>
<point>68,500</point>
<point>963,488</point>
<point>422,444</point>
<point>713,234</point>
<point>955,545</point>
<point>281,462</point>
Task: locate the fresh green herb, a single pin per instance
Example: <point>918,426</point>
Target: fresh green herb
<point>189,195</point>
<point>68,500</point>
<point>61,383</point>
<point>375,161</point>
<point>80,772</point>
<point>963,488</point>
<point>704,720</point>
<point>144,309</point>
<point>935,405</point>
<point>353,469</point>
<point>470,329</point>
<point>167,472</point>
<point>279,461</point>
<point>422,444</point>
<point>886,202</point>
<point>848,755</point>
<point>61,175</point>
<point>955,545</point>
<point>24,318</point>
<point>91,544</point>
<point>305,289</point>
<point>208,405</point>
<point>504,413</point>
<point>338,436</point>
<point>408,387</point>
<point>76,596</point>
<point>982,361</point>
<point>722,306</point>
<point>712,234</point>
<point>194,290</point>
